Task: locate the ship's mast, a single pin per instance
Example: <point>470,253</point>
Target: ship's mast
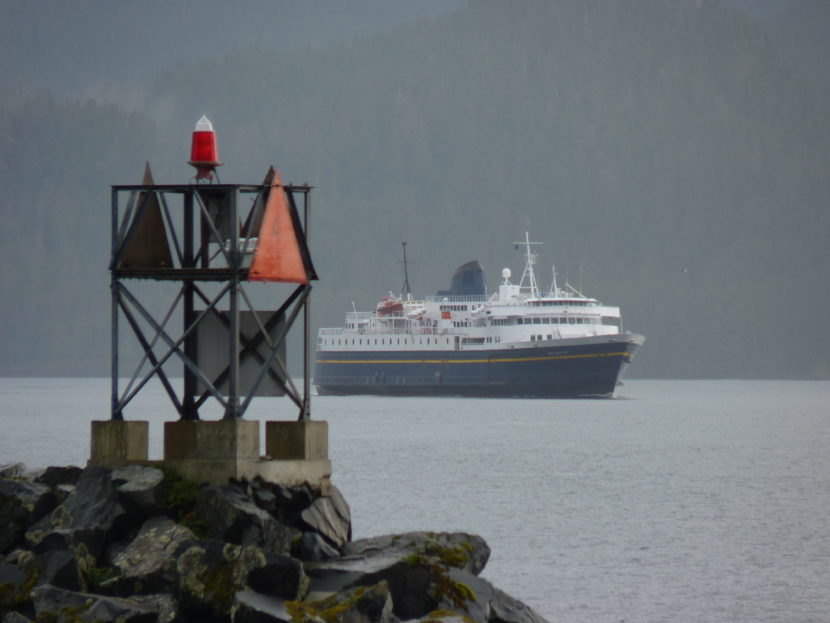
<point>530,260</point>
<point>405,290</point>
<point>554,288</point>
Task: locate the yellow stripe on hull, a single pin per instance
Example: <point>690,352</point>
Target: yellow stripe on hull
<point>493,360</point>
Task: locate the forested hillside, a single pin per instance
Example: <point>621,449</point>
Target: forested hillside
<point>667,155</point>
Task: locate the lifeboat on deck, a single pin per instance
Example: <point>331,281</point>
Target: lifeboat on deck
<point>389,306</point>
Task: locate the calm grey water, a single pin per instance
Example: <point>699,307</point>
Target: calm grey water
<point>681,501</point>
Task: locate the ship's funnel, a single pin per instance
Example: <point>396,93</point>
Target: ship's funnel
<point>467,280</point>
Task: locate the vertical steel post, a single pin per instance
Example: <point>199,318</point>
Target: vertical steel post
<point>189,410</point>
<point>115,411</point>
<point>305,414</point>
<point>232,411</point>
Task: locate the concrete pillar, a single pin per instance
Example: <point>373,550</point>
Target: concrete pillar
<point>211,440</point>
<point>117,442</point>
<point>297,440</point>
<point>214,451</point>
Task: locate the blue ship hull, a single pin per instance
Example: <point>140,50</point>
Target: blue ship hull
<point>587,367</point>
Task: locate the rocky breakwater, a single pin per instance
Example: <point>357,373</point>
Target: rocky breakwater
<point>139,544</point>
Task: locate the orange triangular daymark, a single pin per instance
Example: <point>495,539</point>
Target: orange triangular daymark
<point>277,256</point>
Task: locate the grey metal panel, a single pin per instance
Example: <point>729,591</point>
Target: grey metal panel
<point>212,352</point>
<point>147,244</point>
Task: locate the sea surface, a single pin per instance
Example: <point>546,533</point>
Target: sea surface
<point>678,501</point>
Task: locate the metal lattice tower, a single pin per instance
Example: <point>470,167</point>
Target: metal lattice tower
<point>211,241</point>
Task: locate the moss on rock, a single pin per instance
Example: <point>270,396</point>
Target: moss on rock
<point>334,609</point>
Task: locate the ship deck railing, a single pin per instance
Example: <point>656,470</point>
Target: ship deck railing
<point>391,331</point>
<point>455,298</point>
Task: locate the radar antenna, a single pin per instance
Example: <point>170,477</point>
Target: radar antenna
<point>530,260</point>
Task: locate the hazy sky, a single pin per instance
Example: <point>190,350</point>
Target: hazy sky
<point>671,155</point>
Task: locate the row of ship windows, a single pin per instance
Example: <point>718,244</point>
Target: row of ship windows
<point>446,307</point>
<point>568,303</point>
<point>383,341</point>
<point>480,340</point>
<point>571,320</point>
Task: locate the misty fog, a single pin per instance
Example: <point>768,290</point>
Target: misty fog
<point>671,156</point>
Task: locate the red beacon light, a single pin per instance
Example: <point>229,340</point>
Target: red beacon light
<point>204,155</point>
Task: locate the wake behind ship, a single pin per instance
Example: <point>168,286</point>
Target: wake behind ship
<point>516,342</point>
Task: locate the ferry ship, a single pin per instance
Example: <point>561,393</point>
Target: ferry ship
<point>516,342</point>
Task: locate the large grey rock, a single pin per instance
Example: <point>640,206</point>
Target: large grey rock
<point>505,609</point>
<point>13,523</point>
<point>464,597</point>
<point>62,493</point>
<point>264,497</point>
<point>464,593</point>
<point>168,608</point>
<point>34,498</point>
<point>18,556</point>
<point>284,503</point>
<point>253,607</point>
<point>313,548</point>
<point>148,563</point>
<point>330,517</point>
<point>140,487</point>
<point>416,567</point>
<point>467,552</point>
<point>421,586</point>
<point>89,518</point>
<point>55,476</point>
<point>12,470</point>
<point>21,503</point>
<point>280,576</point>
<point>55,604</point>
<point>444,616</point>
<point>209,573</point>
<point>230,515</point>
<point>58,568</point>
<point>363,604</point>
<point>296,498</point>
<point>13,586</point>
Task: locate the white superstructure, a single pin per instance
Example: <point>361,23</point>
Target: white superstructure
<point>517,315</point>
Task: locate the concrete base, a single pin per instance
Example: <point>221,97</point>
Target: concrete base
<point>297,440</point>
<point>316,474</point>
<point>216,451</point>
<point>118,442</point>
<point>213,440</point>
